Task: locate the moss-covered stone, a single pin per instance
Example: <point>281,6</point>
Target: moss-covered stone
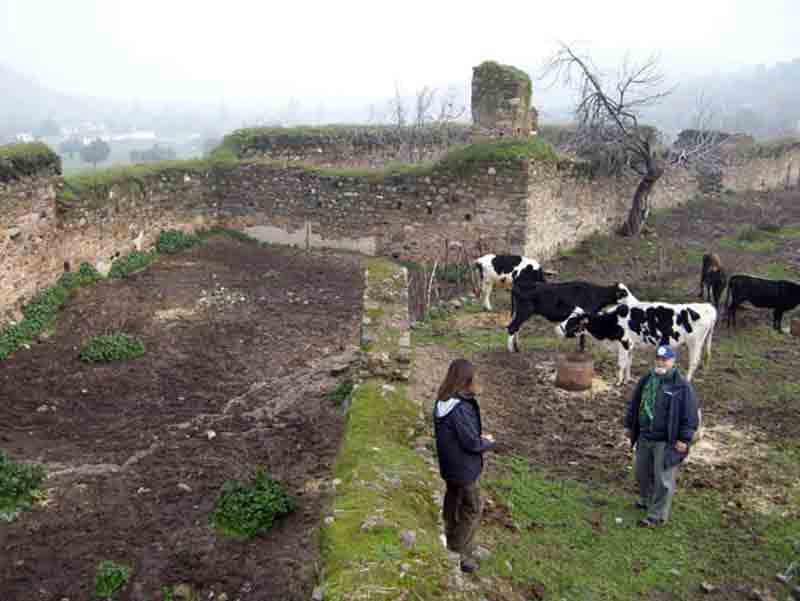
<point>27,160</point>
<point>501,99</point>
<point>274,141</point>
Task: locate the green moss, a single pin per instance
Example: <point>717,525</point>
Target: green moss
<point>260,140</point>
<point>385,483</point>
<point>27,160</point>
<point>494,77</point>
<point>93,188</point>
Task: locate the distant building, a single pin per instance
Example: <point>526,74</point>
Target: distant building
<point>24,137</point>
<point>134,136</point>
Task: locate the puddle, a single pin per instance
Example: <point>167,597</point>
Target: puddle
<point>305,237</point>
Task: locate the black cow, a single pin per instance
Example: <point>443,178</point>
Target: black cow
<point>556,301</point>
<point>779,295</point>
<point>712,279</point>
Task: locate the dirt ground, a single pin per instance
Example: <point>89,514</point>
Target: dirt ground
<point>241,343</point>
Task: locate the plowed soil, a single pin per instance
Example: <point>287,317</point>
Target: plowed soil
<point>242,343</point>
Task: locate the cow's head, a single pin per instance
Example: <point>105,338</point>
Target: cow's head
<point>574,324</point>
<point>623,294</point>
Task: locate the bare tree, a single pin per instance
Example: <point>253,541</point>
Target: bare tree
<point>415,119</point>
<point>608,119</point>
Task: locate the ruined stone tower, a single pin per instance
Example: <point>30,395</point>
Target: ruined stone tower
<point>501,100</point>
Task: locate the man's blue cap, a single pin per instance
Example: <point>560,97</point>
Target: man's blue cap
<point>665,352</point>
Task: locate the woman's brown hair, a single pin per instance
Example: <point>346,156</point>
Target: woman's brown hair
<point>460,378</point>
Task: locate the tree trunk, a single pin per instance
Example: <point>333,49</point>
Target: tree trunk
<point>640,209</point>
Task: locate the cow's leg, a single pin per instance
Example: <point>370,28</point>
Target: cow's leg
<point>582,343</point>
<point>487,293</point>
<point>628,365</point>
<point>513,344</point>
<point>778,320</point>
<point>622,360</point>
<point>695,352</point>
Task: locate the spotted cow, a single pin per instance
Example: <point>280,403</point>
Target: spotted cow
<point>502,270</point>
<point>635,323</point>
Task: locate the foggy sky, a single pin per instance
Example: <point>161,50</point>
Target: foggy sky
<point>348,52</point>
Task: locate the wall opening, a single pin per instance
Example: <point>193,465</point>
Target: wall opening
<point>468,217</point>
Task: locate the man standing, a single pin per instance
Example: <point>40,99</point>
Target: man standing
<point>661,421</point>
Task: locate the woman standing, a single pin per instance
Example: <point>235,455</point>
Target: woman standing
<point>460,445</point>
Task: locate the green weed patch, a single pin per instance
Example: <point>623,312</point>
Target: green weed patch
<point>40,313</point>
<point>111,347</point>
<point>246,509</point>
<point>172,241</point>
<point>20,486</point>
<point>134,261</point>
<point>111,578</point>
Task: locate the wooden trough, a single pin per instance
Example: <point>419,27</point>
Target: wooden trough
<point>794,327</point>
<point>575,371</point>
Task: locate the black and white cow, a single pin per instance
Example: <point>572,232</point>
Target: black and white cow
<point>556,301</point>
<point>635,323</point>
<point>779,295</point>
<point>502,270</point>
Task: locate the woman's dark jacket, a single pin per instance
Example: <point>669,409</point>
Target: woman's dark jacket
<point>675,415</point>
<point>458,439</point>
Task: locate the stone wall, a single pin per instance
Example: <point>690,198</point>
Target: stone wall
<point>763,173</point>
<point>341,146</point>
<point>408,217</point>
<point>534,207</point>
<point>566,205</point>
<point>40,235</point>
<point>501,100</point>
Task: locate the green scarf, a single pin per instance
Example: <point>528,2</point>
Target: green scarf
<point>650,392</point>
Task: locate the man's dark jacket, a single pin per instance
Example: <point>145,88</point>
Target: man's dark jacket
<point>458,439</point>
<point>677,397</point>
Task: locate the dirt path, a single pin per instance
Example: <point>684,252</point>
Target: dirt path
<point>242,342</point>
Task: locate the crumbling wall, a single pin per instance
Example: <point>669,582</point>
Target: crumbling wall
<point>501,100</point>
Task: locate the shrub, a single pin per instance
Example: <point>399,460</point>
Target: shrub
<point>247,509</point>
<point>110,579</point>
<point>19,486</point>
<point>130,263</point>
<point>27,160</point>
<point>172,241</point>
<point>112,347</point>
<point>454,273</point>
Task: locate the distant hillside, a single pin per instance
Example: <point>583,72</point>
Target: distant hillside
<point>25,103</point>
